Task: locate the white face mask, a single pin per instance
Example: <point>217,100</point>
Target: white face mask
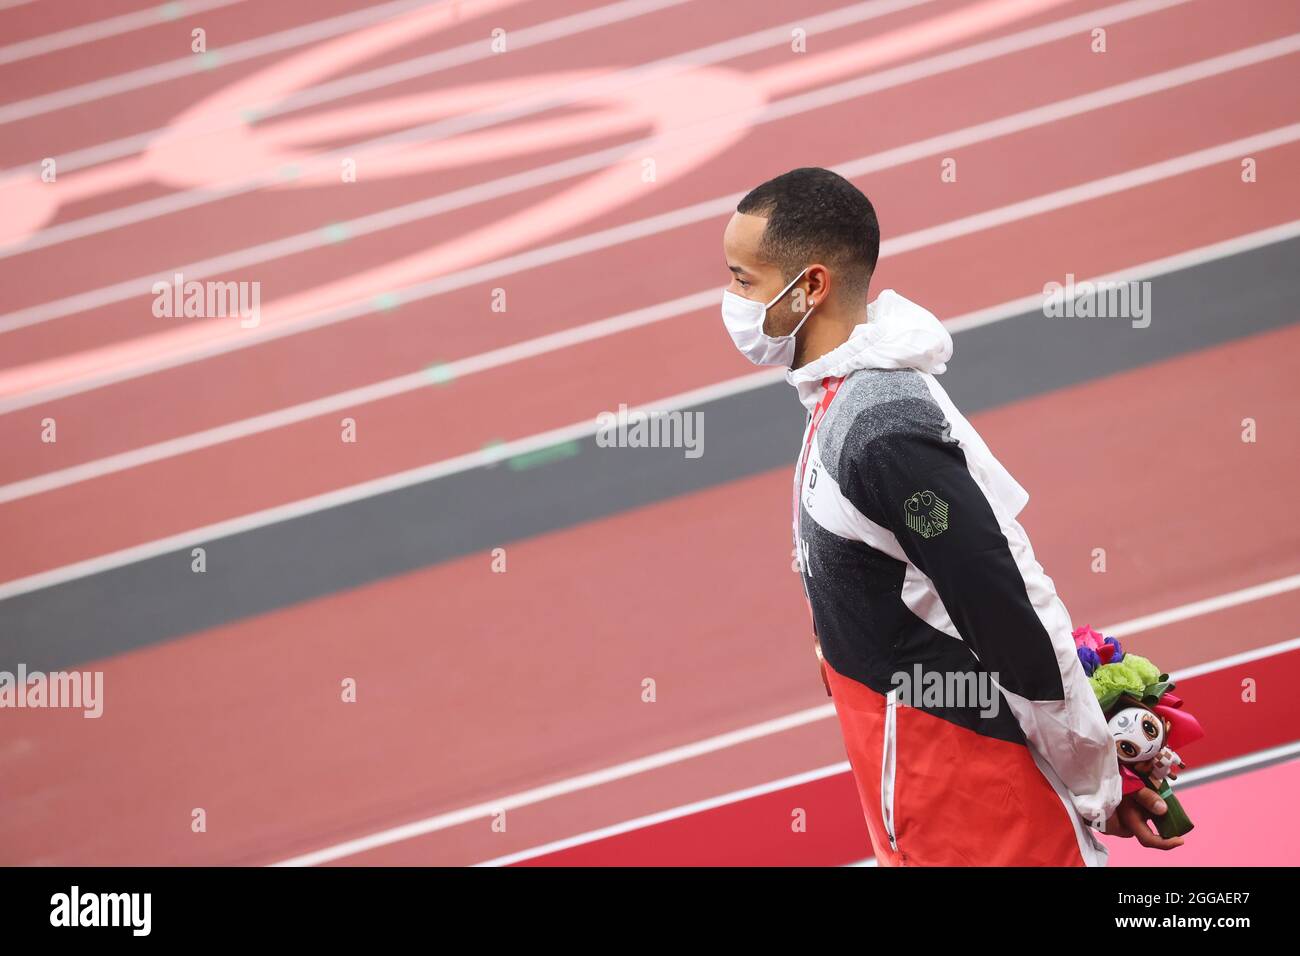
<point>744,319</point>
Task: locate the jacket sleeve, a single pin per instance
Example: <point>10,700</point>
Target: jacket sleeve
<point>910,477</point>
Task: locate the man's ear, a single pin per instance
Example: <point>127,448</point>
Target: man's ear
<point>819,283</point>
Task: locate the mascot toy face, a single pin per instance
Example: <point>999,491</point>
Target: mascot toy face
<point>1139,734</point>
<point>1145,720</point>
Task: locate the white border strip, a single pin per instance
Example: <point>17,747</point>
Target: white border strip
<point>700,806</point>
<point>1208,606</point>
<point>1245,657</point>
<point>1234,765</point>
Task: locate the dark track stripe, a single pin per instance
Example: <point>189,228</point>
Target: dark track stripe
<point>298,560</point>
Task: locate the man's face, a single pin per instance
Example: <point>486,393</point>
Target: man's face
<point>756,279</point>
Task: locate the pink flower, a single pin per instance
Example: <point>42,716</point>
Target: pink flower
<point>1087,637</point>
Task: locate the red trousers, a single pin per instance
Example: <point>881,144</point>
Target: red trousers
<point>957,798</point>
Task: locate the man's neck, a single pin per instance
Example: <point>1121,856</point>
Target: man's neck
<point>822,337</point>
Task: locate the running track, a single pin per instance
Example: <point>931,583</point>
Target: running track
<point>485,697</point>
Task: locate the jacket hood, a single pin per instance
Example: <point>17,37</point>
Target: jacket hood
<point>898,333</point>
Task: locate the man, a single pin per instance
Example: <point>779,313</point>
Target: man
<point>970,726</point>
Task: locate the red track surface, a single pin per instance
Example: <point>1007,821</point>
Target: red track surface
<point>458,707</point>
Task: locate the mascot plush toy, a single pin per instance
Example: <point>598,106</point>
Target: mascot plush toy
<point>1145,719</point>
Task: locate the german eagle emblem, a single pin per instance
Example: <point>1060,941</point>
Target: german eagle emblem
<point>926,513</point>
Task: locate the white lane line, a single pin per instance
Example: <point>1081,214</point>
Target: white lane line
<point>193,64</point>
<point>1208,606</point>
<point>111,27</point>
<point>538,794</point>
<point>1106,186</point>
<point>554,342</point>
<point>443,821</point>
<point>1236,765</point>
<point>579,92</point>
<point>1256,592</point>
<point>665,222</point>
<point>1222,768</point>
<point>1245,657</point>
<point>475,50</point>
<point>427,208</point>
<point>676,813</point>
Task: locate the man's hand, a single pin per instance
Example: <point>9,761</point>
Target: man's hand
<point>1131,816</point>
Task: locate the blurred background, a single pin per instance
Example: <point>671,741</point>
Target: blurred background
<point>310,313</point>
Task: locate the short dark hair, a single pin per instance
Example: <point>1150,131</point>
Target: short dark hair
<point>814,214</point>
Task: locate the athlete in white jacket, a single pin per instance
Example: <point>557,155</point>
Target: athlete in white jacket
<point>970,726</point>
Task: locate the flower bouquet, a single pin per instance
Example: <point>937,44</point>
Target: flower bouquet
<point>1145,719</point>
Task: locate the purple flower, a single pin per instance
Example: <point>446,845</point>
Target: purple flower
<point>1118,655</point>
